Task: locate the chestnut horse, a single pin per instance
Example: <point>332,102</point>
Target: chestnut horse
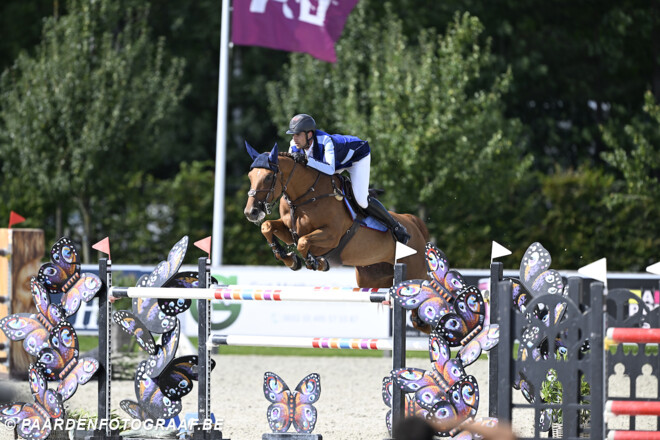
<point>314,217</point>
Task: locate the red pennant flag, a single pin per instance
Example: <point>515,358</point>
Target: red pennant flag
<point>15,218</point>
<point>205,244</point>
<point>103,246</point>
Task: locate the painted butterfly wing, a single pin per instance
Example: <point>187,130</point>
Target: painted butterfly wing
<point>462,402</point>
<point>420,295</point>
<point>84,289</point>
<point>535,261</point>
<point>520,295</point>
<point>165,352</point>
<point>49,314</point>
<point>309,388</point>
<point>80,374</point>
<point>177,379</point>
<point>304,415</point>
<point>464,395</point>
<point>426,388</point>
<point>153,318</point>
<point>467,319</point>
<point>535,272</point>
<point>134,410</point>
<point>411,407</point>
<point>487,339</point>
<point>277,392</point>
<point>444,417</point>
<point>173,307</point>
<point>439,350</point>
<point>49,400</point>
<point>437,267</point>
<point>525,387</point>
<point>31,421</point>
<point>437,264</point>
<point>26,327</point>
<point>166,269</point>
<point>134,326</point>
<point>307,393</point>
<point>151,398</point>
<point>61,352</point>
<point>63,268</point>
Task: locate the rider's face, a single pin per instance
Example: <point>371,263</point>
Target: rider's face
<point>300,139</point>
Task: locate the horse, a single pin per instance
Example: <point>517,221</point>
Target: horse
<point>313,216</point>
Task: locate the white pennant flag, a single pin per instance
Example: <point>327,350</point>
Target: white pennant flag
<point>402,251</point>
<point>498,251</point>
<point>654,268</point>
<point>596,270</point>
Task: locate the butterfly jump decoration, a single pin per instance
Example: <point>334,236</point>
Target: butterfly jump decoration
<point>536,278</point>
<point>162,379</point>
<point>455,314</point>
<point>292,407</point>
<point>52,340</point>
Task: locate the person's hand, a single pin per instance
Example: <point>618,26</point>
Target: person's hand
<point>300,158</point>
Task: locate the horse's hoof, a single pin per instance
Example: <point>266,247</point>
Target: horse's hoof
<point>297,263</point>
<point>325,263</point>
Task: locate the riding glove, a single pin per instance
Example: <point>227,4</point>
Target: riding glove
<point>300,158</point>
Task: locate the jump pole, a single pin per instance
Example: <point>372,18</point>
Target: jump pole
<point>633,435</point>
<point>418,344</point>
<point>634,335</point>
<point>632,408</point>
<point>257,293</point>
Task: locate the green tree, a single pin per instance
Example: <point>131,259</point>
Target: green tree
<point>86,111</point>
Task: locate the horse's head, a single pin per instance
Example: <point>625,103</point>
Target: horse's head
<point>263,178</point>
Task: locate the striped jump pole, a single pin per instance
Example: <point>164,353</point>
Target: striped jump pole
<point>632,408</point>
<point>257,293</point>
<point>635,335</point>
<point>633,435</point>
<point>417,344</point>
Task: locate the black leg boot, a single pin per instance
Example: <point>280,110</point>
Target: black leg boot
<point>377,210</point>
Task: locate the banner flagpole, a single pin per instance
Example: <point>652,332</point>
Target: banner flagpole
<point>221,139</point>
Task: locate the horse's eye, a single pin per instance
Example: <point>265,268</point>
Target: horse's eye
<point>269,178</point>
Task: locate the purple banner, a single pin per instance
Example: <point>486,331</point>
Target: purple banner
<point>309,26</point>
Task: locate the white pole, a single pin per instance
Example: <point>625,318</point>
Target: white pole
<point>221,140</point>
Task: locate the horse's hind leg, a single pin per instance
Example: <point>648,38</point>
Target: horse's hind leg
<point>375,276</point>
<point>274,229</point>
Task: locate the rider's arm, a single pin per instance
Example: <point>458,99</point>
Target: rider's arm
<point>328,164</point>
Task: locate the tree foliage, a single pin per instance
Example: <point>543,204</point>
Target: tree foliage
<point>86,111</point>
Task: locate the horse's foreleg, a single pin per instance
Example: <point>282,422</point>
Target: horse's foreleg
<point>318,238</point>
<point>274,230</point>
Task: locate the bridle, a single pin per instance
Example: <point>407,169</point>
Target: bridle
<point>264,204</point>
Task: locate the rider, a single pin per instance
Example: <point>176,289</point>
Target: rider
<point>332,154</point>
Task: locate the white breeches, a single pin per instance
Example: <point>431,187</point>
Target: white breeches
<point>359,173</point>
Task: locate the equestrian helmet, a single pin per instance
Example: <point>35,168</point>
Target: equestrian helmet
<point>300,123</point>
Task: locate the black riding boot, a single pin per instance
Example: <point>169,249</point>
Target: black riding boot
<point>377,209</point>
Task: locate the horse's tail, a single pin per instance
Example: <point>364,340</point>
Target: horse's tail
<point>422,227</point>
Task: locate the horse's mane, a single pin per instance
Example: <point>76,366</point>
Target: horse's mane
<point>285,154</point>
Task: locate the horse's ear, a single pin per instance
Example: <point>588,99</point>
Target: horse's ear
<point>273,155</point>
<point>251,151</point>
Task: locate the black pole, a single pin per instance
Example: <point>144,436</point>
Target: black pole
<point>398,347</point>
<point>496,274</point>
<point>104,373</point>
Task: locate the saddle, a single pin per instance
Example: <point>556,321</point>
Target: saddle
<point>357,213</point>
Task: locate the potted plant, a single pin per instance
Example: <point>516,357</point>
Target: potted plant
<point>552,392</point>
